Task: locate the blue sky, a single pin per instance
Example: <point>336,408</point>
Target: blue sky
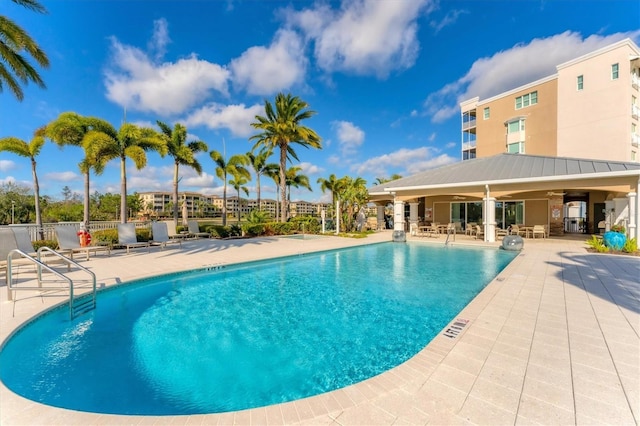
<point>384,76</point>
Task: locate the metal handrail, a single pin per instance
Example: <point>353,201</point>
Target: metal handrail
<point>41,265</point>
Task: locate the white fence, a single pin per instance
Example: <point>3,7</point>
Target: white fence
<point>49,232</point>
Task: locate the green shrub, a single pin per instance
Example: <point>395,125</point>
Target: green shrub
<point>235,230</point>
<point>597,244</point>
<point>105,236</point>
<point>281,228</point>
<point>630,246</point>
<point>143,235</point>
<point>52,244</point>
<point>217,231</point>
<point>253,229</point>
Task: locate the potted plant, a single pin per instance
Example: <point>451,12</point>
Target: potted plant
<point>615,238</point>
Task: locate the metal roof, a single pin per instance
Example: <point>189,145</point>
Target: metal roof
<point>509,167</point>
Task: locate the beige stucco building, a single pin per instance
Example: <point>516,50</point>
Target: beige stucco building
<point>561,152</point>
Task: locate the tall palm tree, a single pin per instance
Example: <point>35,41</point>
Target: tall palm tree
<point>260,166</point>
<point>130,141</point>
<point>296,180</point>
<point>183,153</point>
<point>354,196</point>
<point>282,127</point>
<point>273,173</point>
<point>74,129</point>
<point>15,69</point>
<point>235,165</point>
<point>29,150</point>
<point>238,183</point>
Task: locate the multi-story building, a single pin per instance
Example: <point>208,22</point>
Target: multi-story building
<point>197,204</point>
<point>588,109</point>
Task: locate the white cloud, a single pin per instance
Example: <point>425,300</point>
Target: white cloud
<point>509,69</point>
<point>450,18</point>
<point>6,165</point>
<point>63,176</point>
<point>310,169</point>
<point>366,37</point>
<point>136,82</point>
<point>204,181</point>
<point>236,118</point>
<point>266,70</point>
<point>350,136</point>
<point>7,180</point>
<point>159,39</point>
<point>410,160</point>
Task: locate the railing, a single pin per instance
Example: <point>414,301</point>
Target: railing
<point>48,229</point>
<point>635,81</point>
<point>635,111</point>
<point>77,305</point>
<point>635,140</point>
<point>469,124</point>
<point>575,225</point>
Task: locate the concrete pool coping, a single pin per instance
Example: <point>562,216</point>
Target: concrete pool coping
<point>554,339</point>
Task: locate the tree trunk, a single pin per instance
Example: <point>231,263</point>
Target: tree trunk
<point>224,202</point>
<point>123,190</point>
<point>36,190</point>
<point>283,183</point>
<point>175,193</point>
<point>258,191</point>
<point>87,200</point>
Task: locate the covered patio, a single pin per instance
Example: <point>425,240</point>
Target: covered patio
<point>500,192</point>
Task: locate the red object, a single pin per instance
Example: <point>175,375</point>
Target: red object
<point>85,238</point>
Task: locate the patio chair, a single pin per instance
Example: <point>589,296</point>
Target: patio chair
<point>127,237</point>
<point>194,229</point>
<point>479,232</point>
<point>539,230</point>
<point>69,243</point>
<point>470,229</point>
<point>171,230</point>
<point>160,235</point>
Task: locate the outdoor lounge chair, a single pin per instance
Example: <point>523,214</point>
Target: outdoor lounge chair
<point>194,229</point>
<point>160,235</point>
<point>127,237</point>
<point>171,230</point>
<point>479,232</point>
<point>69,243</point>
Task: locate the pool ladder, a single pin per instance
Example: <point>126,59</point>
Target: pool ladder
<point>450,231</point>
<point>78,303</point>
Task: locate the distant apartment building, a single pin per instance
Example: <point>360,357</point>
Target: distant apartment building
<point>589,108</point>
<point>199,205</point>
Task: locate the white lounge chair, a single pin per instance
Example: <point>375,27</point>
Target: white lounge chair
<point>194,229</point>
<point>68,242</point>
<point>171,229</point>
<point>160,235</point>
<point>127,237</point>
<point>539,230</point>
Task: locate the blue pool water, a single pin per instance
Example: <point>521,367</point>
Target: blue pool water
<point>248,335</point>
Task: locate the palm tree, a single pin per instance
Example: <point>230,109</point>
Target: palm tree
<point>29,150</point>
<point>15,69</point>
<point>260,167</point>
<point>395,176</point>
<point>296,180</point>
<point>73,129</point>
<point>333,185</point>
<point>183,153</point>
<point>235,166</point>
<point>281,128</point>
<point>273,172</point>
<point>238,182</point>
<point>129,141</point>
<point>354,196</point>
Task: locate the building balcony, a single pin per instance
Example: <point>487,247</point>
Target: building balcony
<point>468,145</point>
<point>635,111</point>
<point>635,140</point>
<point>469,124</point>
<point>635,81</point>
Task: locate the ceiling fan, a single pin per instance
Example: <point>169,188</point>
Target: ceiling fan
<point>552,194</point>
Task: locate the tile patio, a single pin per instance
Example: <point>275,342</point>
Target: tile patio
<point>554,339</point>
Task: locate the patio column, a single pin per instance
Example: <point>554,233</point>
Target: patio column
<point>633,215</point>
<point>413,217</point>
<point>398,215</point>
<point>380,217</point>
<point>489,216</point>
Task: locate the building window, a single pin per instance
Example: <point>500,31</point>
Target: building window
<point>615,71</point>
<point>487,113</point>
<point>527,100</point>
<point>580,82</point>
<point>515,136</point>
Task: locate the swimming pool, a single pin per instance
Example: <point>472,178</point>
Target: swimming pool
<point>248,335</point>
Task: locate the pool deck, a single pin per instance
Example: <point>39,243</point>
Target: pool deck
<point>554,339</point>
